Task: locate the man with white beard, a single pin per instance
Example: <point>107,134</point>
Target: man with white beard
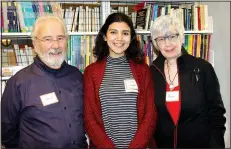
<point>42,105</point>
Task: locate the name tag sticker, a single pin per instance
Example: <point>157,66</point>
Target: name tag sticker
<point>172,96</point>
<point>49,98</point>
<point>130,85</point>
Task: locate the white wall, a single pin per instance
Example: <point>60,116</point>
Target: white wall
<point>220,44</point>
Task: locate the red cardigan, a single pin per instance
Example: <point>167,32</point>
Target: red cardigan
<point>147,115</point>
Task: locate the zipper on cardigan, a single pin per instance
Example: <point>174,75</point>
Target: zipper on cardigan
<point>175,127</point>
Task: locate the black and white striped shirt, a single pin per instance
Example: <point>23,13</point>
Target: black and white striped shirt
<point>119,111</point>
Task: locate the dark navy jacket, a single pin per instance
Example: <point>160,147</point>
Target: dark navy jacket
<point>26,123</point>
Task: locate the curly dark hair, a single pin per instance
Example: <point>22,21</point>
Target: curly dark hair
<point>101,48</point>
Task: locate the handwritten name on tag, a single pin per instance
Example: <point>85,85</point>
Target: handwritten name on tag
<point>172,96</point>
<point>49,98</point>
<point>130,85</point>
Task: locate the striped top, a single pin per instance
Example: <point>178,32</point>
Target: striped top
<point>119,111</point>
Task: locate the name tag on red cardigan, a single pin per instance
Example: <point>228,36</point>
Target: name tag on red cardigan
<point>49,98</point>
<point>130,85</point>
<point>172,96</point>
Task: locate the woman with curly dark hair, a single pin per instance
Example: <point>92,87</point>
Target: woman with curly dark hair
<point>119,110</point>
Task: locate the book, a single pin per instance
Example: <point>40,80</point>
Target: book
<point>141,19</point>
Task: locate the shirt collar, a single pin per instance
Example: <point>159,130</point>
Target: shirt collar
<point>117,60</point>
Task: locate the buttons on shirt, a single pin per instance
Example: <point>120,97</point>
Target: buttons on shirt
<point>65,108</point>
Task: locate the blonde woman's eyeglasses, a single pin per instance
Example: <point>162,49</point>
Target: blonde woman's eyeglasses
<point>171,38</point>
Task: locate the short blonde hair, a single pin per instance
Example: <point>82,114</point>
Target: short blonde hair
<point>46,17</point>
<point>163,25</point>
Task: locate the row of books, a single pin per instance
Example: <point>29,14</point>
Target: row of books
<point>192,16</point>
<point>20,16</point>
<point>17,54</point>
<point>82,19</point>
<point>80,51</point>
<point>146,45</point>
<point>80,54</point>
<point>198,45</point>
<point>80,48</point>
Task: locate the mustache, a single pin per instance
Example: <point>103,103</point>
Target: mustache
<point>55,51</point>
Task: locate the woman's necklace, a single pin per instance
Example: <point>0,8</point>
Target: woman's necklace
<point>171,85</point>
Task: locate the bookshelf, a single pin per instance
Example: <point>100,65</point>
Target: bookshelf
<point>5,78</point>
<point>95,33</point>
<point>84,19</point>
<point>28,34</point>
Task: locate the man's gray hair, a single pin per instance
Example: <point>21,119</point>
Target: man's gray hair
<point>45,17</point>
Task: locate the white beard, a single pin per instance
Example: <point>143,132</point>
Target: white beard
<point>50,60</point>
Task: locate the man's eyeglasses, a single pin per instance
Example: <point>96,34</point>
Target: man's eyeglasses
<point>171,38</point>
<point>49,41</point>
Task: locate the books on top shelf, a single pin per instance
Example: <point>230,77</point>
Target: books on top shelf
<point>82,19</point>
<point>194,16</point>
<point>20,16</point>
